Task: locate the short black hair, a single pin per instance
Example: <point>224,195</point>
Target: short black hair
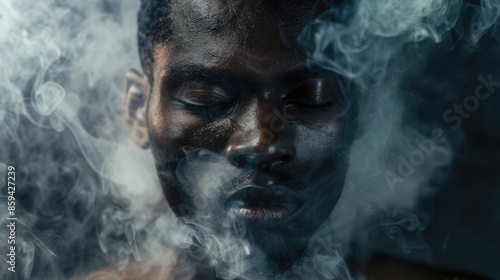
<point>154,26</point>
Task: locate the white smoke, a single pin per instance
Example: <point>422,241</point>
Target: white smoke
<point>62,64</point>
<point>375,44</point>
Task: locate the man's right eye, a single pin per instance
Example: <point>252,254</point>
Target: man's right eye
<point>204,100</point>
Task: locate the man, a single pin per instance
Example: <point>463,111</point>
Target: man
<point>250,140</point>
<point>228,80</point>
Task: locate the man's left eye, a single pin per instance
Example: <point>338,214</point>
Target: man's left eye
<point>311,95</point>
<point>308,105</point>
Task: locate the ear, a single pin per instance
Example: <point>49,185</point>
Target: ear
<point>136,97</point>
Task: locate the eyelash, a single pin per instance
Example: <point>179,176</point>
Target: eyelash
<point>215,111</point>
<point>207,111</point>
<point>307,106</point>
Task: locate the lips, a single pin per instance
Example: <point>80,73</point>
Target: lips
<point>264,206</point>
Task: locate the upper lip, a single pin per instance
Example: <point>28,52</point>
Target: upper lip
<point>254,196</point>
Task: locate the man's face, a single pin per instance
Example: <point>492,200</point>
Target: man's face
<point>233,85</point>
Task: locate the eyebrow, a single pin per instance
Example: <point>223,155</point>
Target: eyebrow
<point>230,78</point>
<point>302,73</point>
<point>178,75</point>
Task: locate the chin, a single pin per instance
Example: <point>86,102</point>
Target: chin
<point>280,255</point>
<point>282,247</point>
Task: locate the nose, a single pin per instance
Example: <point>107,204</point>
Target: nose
<point>259,141</point>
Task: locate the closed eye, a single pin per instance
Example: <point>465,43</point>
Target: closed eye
<point>208,111</point>
<point>204,100</point>
<point>308,105</point>
<point>314,94</point>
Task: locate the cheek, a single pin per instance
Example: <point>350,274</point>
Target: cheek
<point>167,126</point>
<point>172,127</point>
<point>321,144</point>
<point>326,136</point>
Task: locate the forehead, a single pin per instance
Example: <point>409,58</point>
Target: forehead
<point>215,33</point>
<point>242,17</point>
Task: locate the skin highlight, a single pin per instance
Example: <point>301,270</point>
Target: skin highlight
<point>218,85</point>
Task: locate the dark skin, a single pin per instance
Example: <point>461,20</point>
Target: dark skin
<point>236,62</point>
<point>233,80</point>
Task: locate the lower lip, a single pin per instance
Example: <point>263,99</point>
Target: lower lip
<point>266,215</point>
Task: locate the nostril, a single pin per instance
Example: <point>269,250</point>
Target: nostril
<point>255,155</point>
<point>286,158</point>
<point>239,161</point>
<point>282,154</point>
<point>242,160</point>
<point>260,160</point>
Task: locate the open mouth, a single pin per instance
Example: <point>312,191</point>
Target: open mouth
<point>264,206</point>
